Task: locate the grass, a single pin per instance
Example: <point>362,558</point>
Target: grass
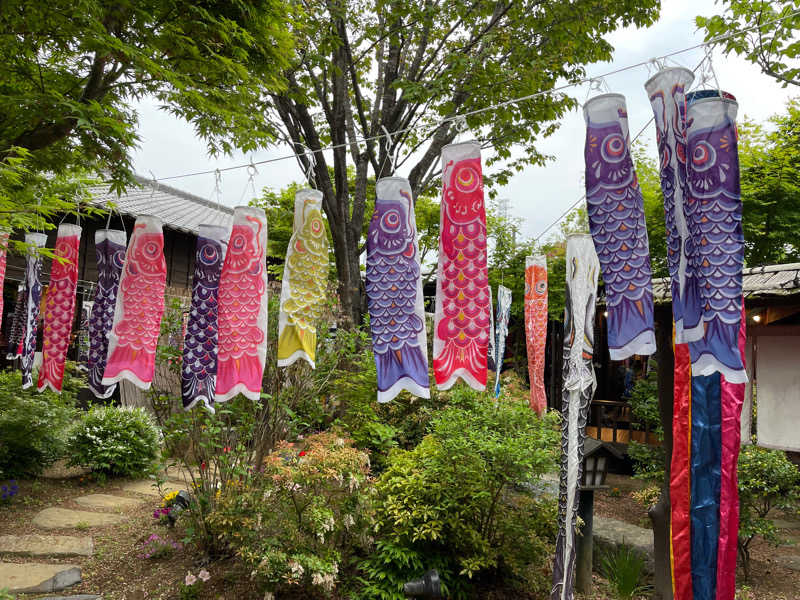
<point>624,569</point>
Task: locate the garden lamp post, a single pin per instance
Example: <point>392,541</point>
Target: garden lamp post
<point>596,457</point>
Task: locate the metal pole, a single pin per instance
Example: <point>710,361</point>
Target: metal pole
<point>584,545</point>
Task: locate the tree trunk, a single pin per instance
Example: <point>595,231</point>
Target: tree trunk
<point>660,512</point>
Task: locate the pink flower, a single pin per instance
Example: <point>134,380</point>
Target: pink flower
<point>190,579</point>
<point>204,575</point>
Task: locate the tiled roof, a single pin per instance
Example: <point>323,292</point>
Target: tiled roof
<point>756,281</point>
<point>177,209</point>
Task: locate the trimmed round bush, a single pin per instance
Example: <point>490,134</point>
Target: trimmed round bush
<point>120,442</point>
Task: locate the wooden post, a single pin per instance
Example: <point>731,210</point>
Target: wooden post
<point>660,512</point>
<point>584,546</point>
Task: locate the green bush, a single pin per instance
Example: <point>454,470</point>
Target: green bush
<point>767,480</point>
<point>456,502</point>
<point>297,524</point>
<point>32,427</point>
<point>114,441</point>
<point>648,461</point>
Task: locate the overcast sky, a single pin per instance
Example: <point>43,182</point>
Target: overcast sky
<point>538,195</point>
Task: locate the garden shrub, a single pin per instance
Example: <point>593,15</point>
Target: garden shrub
<point>648,461</point>
<point>455,503</point>
<point>33,427</point>
<point>767,480</point>
<point>217,450</point>
<point>120,442</point>
<point>297,523</point>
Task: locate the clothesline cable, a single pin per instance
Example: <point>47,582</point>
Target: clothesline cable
<point>491,107</point>
<point>574,205</point>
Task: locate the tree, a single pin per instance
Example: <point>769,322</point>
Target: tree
<point>770,181</point>
<point>361,66</point>
<point>71,69</point>
<point>772,46</point>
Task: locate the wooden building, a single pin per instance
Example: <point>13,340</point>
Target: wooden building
<point>180,212</point>
<point>772,304</point>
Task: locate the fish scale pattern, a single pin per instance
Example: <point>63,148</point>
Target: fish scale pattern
<point>393,292</point>
<point>304,282</point>
<point>110,247</point>
<point>140,306</point>
<point>199,365</point>
<point>616,220</point>
<point>59,307</point>
<point>462,298</point>
<point>714,215</point>
<point>536,327</point>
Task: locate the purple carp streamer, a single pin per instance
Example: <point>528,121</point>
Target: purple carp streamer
<point>33,295</point>
<point>83,336</point>
<point>666,90</point>
<point>503,312</point>
<point>394,293</point>
<point>491,353</point>
<point>578,388</point>
<point>199,365</point>
<point>17,325</point>
<point>616,221</point>
<point>110,245</point>
<point>714,216</point>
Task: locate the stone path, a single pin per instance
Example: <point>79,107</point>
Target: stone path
<point>148,487</point>
<point>105,501</point>
<point>39,577</point>
<point>46,545</point>
<point>65,518</point>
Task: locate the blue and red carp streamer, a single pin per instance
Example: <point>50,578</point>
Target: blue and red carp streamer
<point>616,220</point>
<point>696,135</point>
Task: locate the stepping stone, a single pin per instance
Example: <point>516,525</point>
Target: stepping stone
<point>108,501</point>
<point>64,518</point>
<point>78,597</point>
<point>46,545</point>
<point>37,577</point>
<point>179,473</point>
<point>148,487</point>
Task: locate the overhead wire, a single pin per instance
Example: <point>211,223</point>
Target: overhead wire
<point>706,58</point>
<point>463,116</point>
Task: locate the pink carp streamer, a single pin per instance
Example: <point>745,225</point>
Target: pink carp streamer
<point>59,308</point>
<point>139,308</point>
<point>3,252</point>
<point>536,327</point>
<point>33,295</point>
<point>243,307</point>
<point>461,328</point>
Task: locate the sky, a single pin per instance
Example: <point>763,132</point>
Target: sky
<point>537,195</point>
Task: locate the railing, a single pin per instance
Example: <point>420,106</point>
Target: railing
<point>610,421</point>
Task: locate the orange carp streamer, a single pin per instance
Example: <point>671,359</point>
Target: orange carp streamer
<point>536,327</point>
